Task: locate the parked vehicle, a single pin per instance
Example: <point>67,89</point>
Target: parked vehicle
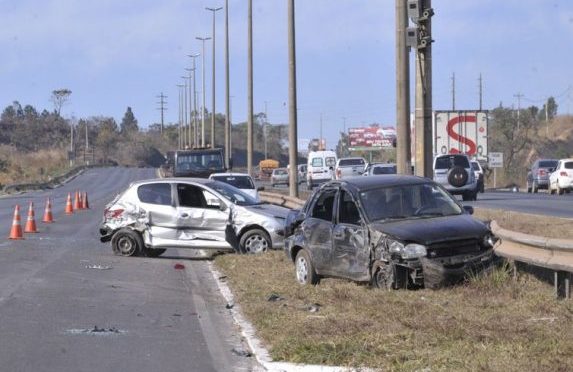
<point>454,172</point>
<point>320,167</point>
<point>349,167</point>
<point>279,177</point>
<point>561,180</point>
<point>392,231</point>
<point>200,162</point>
<point>301,172</point>
<point>242,181</point>
<point>538,174</point>
<point>374,169</point>
<point>152,215</point>
<point>478,172</point>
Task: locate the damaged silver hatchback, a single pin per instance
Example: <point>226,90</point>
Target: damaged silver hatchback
<point>152,215</point>
<point>391,231</point>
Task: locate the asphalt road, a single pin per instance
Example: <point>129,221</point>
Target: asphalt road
<point>68,304</point>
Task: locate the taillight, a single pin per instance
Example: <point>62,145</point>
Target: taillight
<point>564,174</point>
<point>541,172</point>
<point>114,213</point>
<point>338,173</point>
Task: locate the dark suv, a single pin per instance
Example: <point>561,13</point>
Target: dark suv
<point>538,174</point>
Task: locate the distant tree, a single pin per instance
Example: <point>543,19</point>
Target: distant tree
<point>129,122</point>
<point>551,106</point>
<point>107,136</point>
<point>59,98</point>
<point>534,110</point>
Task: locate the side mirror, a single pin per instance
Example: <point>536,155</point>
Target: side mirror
<point>469,209</point>
<point>261,188</point>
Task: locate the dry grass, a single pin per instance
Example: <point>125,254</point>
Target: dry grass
<point>492,323</point>
<point>551,227</point>
<point>21,167</point>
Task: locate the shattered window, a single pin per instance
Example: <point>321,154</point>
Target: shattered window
<point>347,210</point>
<point>324,205</point>
<point>155,193</point>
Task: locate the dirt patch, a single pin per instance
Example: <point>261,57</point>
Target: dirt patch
<point>492,323</point>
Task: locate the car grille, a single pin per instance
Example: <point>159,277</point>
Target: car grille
<point>453,248</point>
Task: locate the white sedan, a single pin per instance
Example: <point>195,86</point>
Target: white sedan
<point>561,179</point>
<point>242,181</point>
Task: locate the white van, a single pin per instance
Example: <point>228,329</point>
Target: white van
<point>320,167</point>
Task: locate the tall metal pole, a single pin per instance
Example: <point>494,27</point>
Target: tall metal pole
<point>184,112</point>
<point>190,131</point>
<point>423,121</point>
<point>227,91</point>
<point>453,91</point>
<point>180,114</point>
<point>403,157</point>
<point>203,39</point>
<point>480,92</point>
<point>250,90</point>
<point>213,112</point>
<point>292,132</point>
<point>265,128</point>
<point>518,96</point>
<point>195,129</point>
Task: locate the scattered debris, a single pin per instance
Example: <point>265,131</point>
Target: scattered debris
<point>274,297</point>
<point>98,267</point>
<point>549,319</point>
<point>313,308</point>
<point>175,314</point>
<point>96,331</point>
<point>242,352</point>
<point>229,305</point>
<point>223,277</point>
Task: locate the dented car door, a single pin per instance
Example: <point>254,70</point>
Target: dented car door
<point>157,202</point>
<point>201,217</point>
<point>350,253</point>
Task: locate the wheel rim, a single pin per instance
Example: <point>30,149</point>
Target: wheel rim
<point>301,270</point>
<point>126,246</point>
<point>256,244</point>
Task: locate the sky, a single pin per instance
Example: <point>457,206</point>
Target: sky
<point>117,53</point>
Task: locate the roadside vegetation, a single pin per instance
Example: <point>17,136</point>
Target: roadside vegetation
<point>488,323</point>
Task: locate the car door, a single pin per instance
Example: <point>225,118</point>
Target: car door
<point>317,229</point>
<point>350,252</point>
<point>201,217</point>
<point>156,204</point>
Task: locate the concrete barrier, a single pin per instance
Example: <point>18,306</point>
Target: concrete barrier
<point>54,182</point>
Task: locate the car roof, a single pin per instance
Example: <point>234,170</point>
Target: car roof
<point>229,174</point>
<point>358,184</point>
<point>173,179</point>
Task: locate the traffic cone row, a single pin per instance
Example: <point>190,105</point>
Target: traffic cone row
<point>80,202</point>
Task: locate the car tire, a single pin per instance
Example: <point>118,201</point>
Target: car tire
<point>126,242</point>
<point>458,176</point>
<point>559,189</point>
<point>528,188</point>
<point>389,276</point>
<point>304,269</point>
<point>154,252</point>
<point>534,188</point>
<point>255,241</point>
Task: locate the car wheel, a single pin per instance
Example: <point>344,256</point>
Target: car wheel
<point>154,252</point>
<point>534,188</point>
<point>457,176</point>
<point>305,273</point>
<point>559,189</point>
<point>528,188</point>
<point>127,242</point>
<point>255,241</point>
<point>389,276</point>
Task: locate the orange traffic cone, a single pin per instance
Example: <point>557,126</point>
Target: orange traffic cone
<point>77,201</point>
<point>69,208</point>
<point>16,231</point>
<point>48,218</point>
<point>31,221</point>
<point>85,204</point>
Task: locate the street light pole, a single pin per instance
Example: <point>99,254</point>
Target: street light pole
<point>227,91</point>
<point>180,96</point>
<point>292,132</point>
<point>214,10</point>
<point>184,112</point>
<point>195,131</point>
<point>203,39</point>
<point>250,90</point>
<point>190,132</point>
<point>265,128</point>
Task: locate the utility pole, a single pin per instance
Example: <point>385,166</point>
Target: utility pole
<point>227,92</point>
<point>250,90</point>
<point>195,130</point>
<point>403,155</point>
<point>292,128</point>
<point>519,96</point>
<point>265,129</point>
<point>184,111</point>
<point>190,88</point>
<point>214,10</point>
<point>162,108</point>
<point>320,135</point>
<point>180,114</point>
<point>453,91</point>
<point>203,39</point>
<point>480,92</point>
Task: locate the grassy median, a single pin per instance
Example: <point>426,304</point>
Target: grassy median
<point>489,323</point>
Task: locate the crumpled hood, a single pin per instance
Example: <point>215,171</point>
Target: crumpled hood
<point>429,230</point>
<point>269,210</point>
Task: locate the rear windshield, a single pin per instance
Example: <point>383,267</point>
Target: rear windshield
<point>344,162</point>
<point>240,182</point>
<point>447,162</point>
<point>316,162</point>
<point>279,172</point>
<point>568,165</point>
<point>330,162</point>
<point>384,170</point>
<point>548,164</point>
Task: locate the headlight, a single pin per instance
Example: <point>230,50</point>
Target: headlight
<point>407,251</point>
<point>488,241</point>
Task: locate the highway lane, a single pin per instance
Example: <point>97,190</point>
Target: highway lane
<point>68,304</point>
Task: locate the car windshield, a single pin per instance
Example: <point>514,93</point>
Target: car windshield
<point>199,161</point>
<point>232,193</point>
<point>568,165</point>
<point>447,162</point>
<point>408,201</point>
<point>345,162</point>
<point>384,170</point>
<point>330,162</point>
<point>548,164</point>
<point>240,182</point>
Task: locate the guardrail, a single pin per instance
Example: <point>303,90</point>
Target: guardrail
<point>56,181</point>
<point>282,200</point>
<point>549,253</point>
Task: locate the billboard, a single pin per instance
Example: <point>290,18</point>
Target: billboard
<point>374,137</point>
<point>458,132</point>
